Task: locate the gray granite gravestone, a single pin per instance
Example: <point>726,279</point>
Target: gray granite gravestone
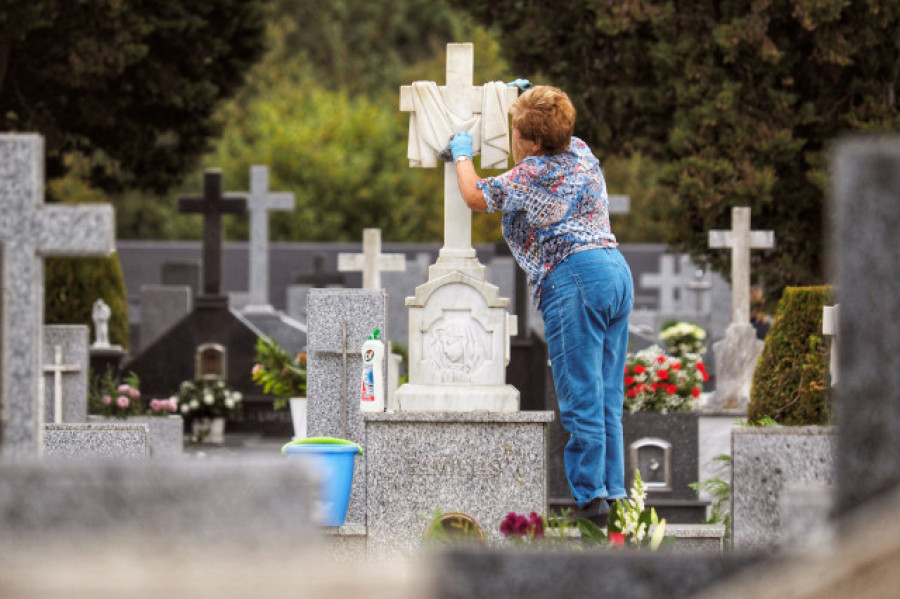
<point>260,202</point>
<point>339,322</point>
<point>30,230</point>
<point>161,307</point>
<point>88,440</point>
<point>65,379</point>
<point>866,265</point>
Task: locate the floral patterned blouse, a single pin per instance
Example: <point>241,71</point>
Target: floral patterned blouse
<point>553,206</point>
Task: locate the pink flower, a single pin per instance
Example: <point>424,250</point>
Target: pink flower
<point>134,393</point>
<point>106,400</point>
<point>257,369</point>
<point>122,402</point>
<point>173,404</point>
<point>154,404</point>
<point>123,388</point>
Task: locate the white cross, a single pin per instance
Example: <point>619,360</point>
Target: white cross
<point>463,99</point>
<point>741,240</point>
<point>260,203</point>
<point>371,262</point>
<point>698,283</point>
<point>830,322</point>
<point>57,369</point>
<point>666,281</point>
<point>29,231</point>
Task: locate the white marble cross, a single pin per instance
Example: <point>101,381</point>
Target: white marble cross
<point>830,323</point>
<point>371,262</point>
<point>29,231</point>
<point>463,99</point>
<point>260,202</point>
<point>57,369</point>
<point>741,240</point>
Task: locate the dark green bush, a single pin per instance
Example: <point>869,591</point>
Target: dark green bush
<point>72,284</point>
<point>790,381</point>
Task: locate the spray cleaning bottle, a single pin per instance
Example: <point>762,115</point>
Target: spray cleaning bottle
<point>371,398</point>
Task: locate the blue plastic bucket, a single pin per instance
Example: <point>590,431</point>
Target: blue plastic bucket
<point>333,459</point>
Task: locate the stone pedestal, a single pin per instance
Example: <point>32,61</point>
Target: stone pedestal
<point>166,432</point>
<point>458,347</point>
<point>481,464</point>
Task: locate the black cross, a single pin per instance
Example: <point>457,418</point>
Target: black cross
<point>318,277</point>
<point>213,205</point>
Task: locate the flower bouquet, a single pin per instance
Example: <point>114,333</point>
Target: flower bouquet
<point>656,382</point>
<point>683,338</point>
<point>207,399</point>
<point>111,397</point>
<point>279,374</point>
<point>631,523</point>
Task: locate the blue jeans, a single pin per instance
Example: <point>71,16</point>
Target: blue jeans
<point>585,303</point>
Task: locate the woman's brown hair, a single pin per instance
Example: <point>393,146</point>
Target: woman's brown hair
<point>545,115</point>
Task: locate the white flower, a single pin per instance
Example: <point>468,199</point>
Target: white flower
<point>208,398</point>
<point>237,396</point>
<point>195,404</point>
<point>657,537</point>
<point>229,403</point>
<point>185,408</point>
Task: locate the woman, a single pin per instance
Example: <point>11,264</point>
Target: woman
<point>556,222</point>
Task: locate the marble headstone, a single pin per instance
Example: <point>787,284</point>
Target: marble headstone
<point>73,343</point>
<point>161,307</point>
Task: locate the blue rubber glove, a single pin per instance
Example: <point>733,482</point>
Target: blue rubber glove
<point>461,145</point>
<point>522,84</point>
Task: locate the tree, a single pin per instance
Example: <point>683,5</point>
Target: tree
<point>130,85</point>
<point>738,100</point>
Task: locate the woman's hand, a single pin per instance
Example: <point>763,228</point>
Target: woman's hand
<point>461,145</point>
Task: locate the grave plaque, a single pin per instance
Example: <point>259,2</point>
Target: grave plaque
<point>653,457</point>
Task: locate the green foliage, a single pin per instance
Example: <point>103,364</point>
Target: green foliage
<point>789,384</point>
<point>71,285</point>
<point>131,87</point>
<point>278,373</point>
<point>736,100</point>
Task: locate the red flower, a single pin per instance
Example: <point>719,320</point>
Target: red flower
<point>695,391</point>
<point>616,539</point>
<point>661,359</point>
<point>626,369</point>
<point>654,386</point>
<point>631,392</point>
<point>663,375</point>
<point>675,366</point>
<point>629,380</point>
<point>641,388</point>
<point>639,369</point>
<point>671,389</point>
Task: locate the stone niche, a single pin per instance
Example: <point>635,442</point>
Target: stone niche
<point>459,347</point>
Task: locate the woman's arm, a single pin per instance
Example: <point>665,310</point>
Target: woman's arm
<point>461,146</point>
<point>468,178</point>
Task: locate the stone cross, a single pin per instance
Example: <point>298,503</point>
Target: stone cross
<point>698,283</point>
<point>741,240</point>
<point>463,99</point>
<point>318,277</point>
<point>371,262</point>
<point>29,231</point>
<point>57,369</point>
<point>213,205</point>
<point>830,325</point>
<point>666,281</point>
<point>260,203</point>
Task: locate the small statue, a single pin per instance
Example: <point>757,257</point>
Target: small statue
<point>100,315</point>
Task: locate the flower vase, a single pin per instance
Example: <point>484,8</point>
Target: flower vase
<point>298,416</point>
<point>209,430</point>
